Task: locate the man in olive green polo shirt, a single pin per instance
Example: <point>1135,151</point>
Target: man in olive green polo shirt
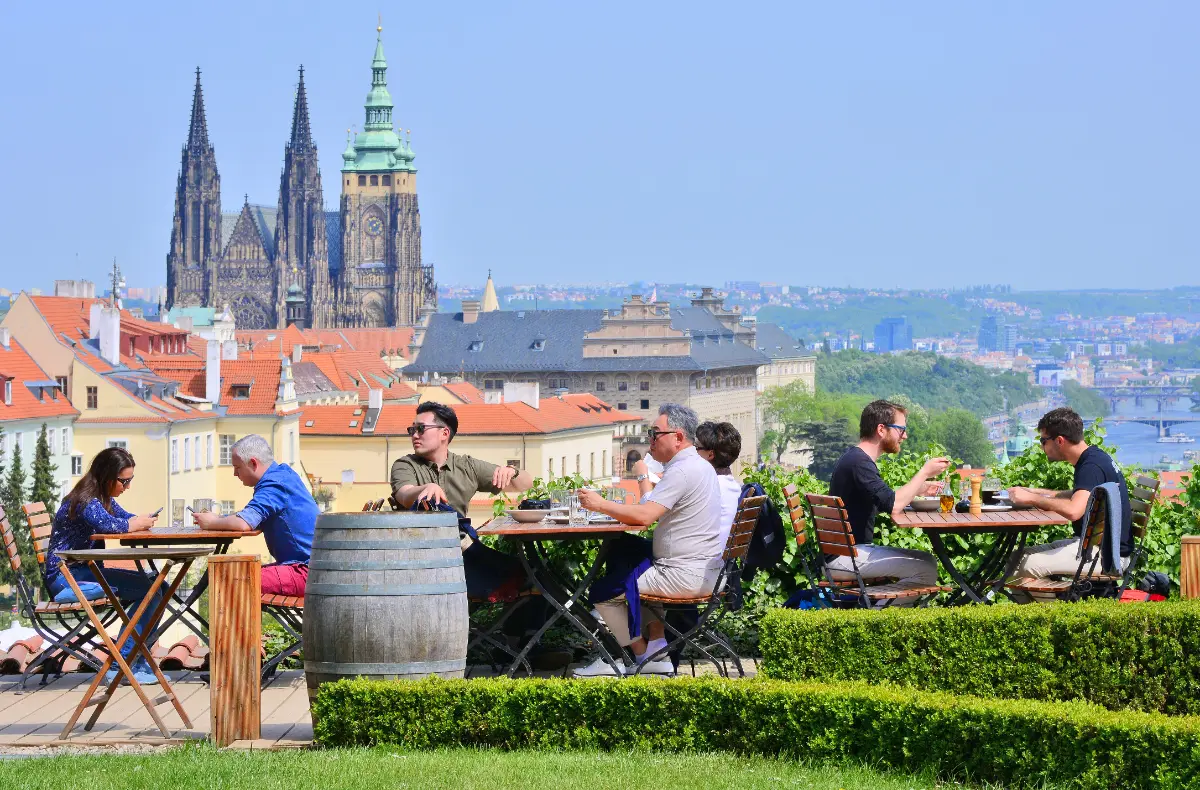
<point>432,473</point>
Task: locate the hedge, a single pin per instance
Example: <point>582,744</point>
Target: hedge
<point>1142,656</point>
<point>1013,742</point>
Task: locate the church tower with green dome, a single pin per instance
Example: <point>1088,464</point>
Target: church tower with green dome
<point>382,281</point>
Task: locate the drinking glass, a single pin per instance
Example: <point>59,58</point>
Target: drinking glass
<point>576,515</point>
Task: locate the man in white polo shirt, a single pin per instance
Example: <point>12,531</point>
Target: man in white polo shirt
<point>684,559</point>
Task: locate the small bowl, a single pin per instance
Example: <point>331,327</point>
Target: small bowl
<point>926,504</point>
<point>528,516</point>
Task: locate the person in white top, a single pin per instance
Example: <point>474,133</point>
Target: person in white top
<point>685,557</point>
<point>720,444</point>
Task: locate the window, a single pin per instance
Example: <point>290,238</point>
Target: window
<point>177,512</point>
<point>76,465</point>
<point>240,391</point>
<point>8,392</point>
<point>292,446</point>
<point>644,386</point>
<point>196,453</point>
<point>187,453</point>
<point>551,467</point>
<point>226,449</point>
<point>387,181</point>
<point>645,404</point>
<point>50,439</point>
<point>66,441</point>
<point>374,181</point>
<point>514,463</point>
<point>622,386</point>
<point>124,445</point>
<point>592,466</point>
<point>93,397</point>
<point>493,384</point>
<point>62,383</point>
<point>604,462</point>
<point>17,442</point>
<point>621,407</point>
<point>564,466</point>
<point>227,507</point>
<point>175,459</point>
<point>558,383</point>
<point>599,386</point>
<point>476,345</point>
<point>202,505</point>
<point>578,467</point>
<point>208,458</point>
<point>362,181</point>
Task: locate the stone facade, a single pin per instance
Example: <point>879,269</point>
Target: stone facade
<point>359,266</point>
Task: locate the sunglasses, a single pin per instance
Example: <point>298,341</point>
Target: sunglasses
<point>903,429</point>
<point>125,481</point>
<point>654,433</point>
<point>419,428</point>
<point>1043,439</point>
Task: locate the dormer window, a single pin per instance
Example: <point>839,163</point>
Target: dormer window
<point>476,345</point>
<point>8,392</point>
<point>240,391</point>
<point>539,344</point>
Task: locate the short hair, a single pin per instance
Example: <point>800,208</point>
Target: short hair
<point>1064,422</point>
<point>681,418</point>
<point>876,413</point>
<point>442,413</point>
<point>253,446</point>
<point>722,439</point>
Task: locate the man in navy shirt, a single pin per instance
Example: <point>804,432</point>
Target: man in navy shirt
<point>1062,439</point>
<point>281,507</point>
<point>882,427</point>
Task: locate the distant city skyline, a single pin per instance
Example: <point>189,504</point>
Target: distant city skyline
<point>938,144</point>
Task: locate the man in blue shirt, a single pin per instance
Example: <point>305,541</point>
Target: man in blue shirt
<point>281,507</point>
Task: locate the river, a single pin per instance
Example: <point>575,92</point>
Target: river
<point>1138,444</point>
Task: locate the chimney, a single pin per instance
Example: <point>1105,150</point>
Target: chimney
<point>374,399</point>
<point>5,337</point>
<point>297,353</point>
<point>287,388</point>
<point>94,320</point>
<point>106,327</point>
<point>524,392</point>
<point>229,349</point>
<point>212,371</point>
<point>470,311</point>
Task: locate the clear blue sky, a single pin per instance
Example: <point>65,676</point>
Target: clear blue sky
<point>861,143</point>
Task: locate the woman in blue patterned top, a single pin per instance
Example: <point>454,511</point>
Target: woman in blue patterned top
<point>92,508</point>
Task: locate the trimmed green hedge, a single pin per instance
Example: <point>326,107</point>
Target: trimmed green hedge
<point>1014,742</point>
<point>1122,656</point>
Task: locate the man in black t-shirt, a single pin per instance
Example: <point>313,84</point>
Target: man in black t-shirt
<point>882,427</point>
<point>1062,438</point>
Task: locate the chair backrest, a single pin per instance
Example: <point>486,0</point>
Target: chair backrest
<point>9,540</point>
<point>378,506</point>
<point>832,525</point>
<point>40,528</point>
<point>796,513</point>
<point>742,530</point>
<point>367,506</point>
<point>395,504</point>
<point>1141,502</point>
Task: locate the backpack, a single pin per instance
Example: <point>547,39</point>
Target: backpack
<point>767,541</point>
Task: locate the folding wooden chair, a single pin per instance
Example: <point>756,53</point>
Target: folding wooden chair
<point>796,512</point>
<point>703,635</point>
<point>485,632</point>
<point>1089,579</point>
<point>64,627</point>
<point>288,611</point>
<point>836,538</point>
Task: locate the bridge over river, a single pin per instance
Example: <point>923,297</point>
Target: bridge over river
<point>1161,395</point>
<point>1163,424</point>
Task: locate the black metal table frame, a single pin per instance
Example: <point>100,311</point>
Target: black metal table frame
<point>1004,554</point>
<point>563,599</point>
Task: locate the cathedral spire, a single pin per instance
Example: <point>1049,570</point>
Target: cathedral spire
<point>301,133</point>
<point>198,131</point>
<point>379,101</point>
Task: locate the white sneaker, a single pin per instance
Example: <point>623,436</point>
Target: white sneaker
<point>660,667</point>
<point>600,669</point>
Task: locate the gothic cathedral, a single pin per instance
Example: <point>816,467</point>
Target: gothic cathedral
<point>297,263</point>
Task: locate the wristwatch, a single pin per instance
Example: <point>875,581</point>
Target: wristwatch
<point>640,478</point>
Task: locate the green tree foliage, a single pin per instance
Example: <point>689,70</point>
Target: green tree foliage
<point>963,436</point>
<point>935,382</point>
<point>44,487</point>
<point>1088,403</point>
<point>12,496</point>
<point>826,424</point>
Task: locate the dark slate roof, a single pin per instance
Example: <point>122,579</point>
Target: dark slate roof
<point>506,342</point>
<point>333,239</point>
<point>310,380</point>
<point>264,218</point>
<point>773,341</point>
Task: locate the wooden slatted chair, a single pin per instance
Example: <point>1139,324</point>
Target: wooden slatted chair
<point>836,538</point>
<point>1089,580</point>
<point>394,503</point>
<point>704,636</point>
<point>795,506</point>
<point>288,611</point>
<point>64,627</point>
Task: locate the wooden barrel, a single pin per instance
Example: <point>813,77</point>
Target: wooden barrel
<point>1189,567</point>
<point>386,598</point>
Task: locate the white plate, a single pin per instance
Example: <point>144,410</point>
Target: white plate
<point>563,518</point>
<point>995,508</point>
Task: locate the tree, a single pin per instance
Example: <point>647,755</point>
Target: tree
<point>1085,401</point>
<point>44,486</point>
<point>797,420</point>
<point>963,435</point>
<point>12,496</point>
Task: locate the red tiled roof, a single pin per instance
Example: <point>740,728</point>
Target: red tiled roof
<point>16,365</point>
<point>261,374</point>
<point>379,340</point>
<point>70,317</point>
<point>361,371</point>
<point>1172,484</point>
<point>374,341</point>
<point>464,391</point>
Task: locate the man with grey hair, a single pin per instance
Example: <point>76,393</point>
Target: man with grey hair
<point>281,507</point>
<point>684,559</point>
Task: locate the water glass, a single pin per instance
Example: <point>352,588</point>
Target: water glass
<point>576,515</point>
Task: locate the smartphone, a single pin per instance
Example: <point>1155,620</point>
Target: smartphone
<point>155,513</point>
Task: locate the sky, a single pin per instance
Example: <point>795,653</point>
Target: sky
<point>922,144</point>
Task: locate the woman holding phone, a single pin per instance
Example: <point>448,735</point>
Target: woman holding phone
<point>89,509</point>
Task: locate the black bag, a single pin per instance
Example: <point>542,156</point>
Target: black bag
<point>1156,583</point>
<point>766,544</point>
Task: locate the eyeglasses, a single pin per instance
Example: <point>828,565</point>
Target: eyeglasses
<point>421,427</point>
<point>1043,439</point>
<point>125,481</point>
<point>654,433</point>
<point>903,429</point>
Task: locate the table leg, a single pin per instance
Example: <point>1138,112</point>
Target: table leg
<point>552,591</point>
<point>183,609</point>
<point>943,556</point>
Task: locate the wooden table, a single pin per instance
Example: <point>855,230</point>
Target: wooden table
<point>564,595</point>
<point>182,610</point>
<point>1012,528</point>
<point>167,557</point>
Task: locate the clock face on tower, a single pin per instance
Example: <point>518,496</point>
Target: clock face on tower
<point>374,226</point>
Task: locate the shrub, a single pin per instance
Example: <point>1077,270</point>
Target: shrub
<point>1006,741</point>
<point>1135,656</point>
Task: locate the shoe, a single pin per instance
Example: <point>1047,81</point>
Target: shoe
<point>660,667</point>
<point>600,669</point>
<point>142,672</point>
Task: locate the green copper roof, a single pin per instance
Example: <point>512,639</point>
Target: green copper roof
<point>377,148</point>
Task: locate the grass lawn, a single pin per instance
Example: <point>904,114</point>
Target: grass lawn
<point>205,767</point>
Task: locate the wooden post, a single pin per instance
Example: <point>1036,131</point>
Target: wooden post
<point>1189,567</point>
<point>235,635</point>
